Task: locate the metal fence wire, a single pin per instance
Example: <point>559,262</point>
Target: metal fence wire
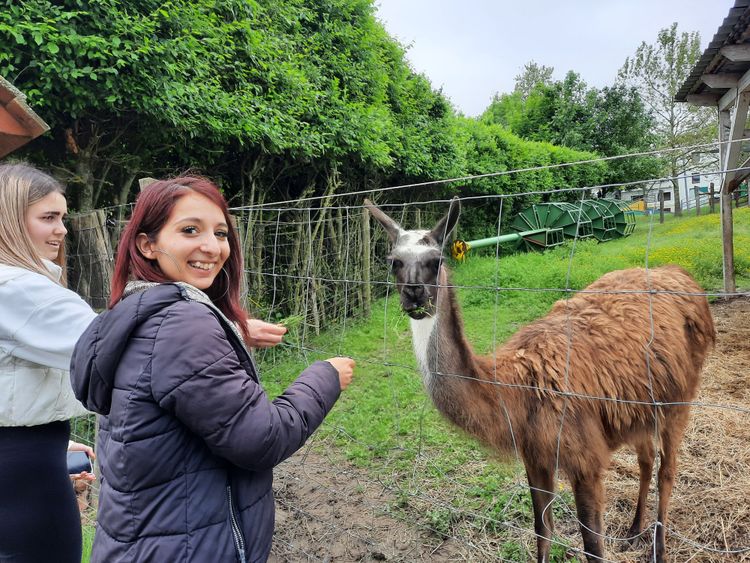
<point>320,267</point>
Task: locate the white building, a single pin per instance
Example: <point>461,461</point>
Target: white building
<point>702,175</point>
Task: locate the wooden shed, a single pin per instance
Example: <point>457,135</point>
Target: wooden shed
<point>18,122</point>
<point>721,79</point>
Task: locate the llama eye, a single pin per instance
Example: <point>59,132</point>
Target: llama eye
<point>396,265</point>
<point>434,265</point>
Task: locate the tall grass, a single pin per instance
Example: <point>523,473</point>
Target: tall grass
<point>88,541</point>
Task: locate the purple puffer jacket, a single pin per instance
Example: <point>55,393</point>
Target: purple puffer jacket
<point>189,438</point>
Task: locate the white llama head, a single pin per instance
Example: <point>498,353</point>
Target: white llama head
<point>416,257</point>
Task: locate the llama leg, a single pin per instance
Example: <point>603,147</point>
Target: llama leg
<point>671,435</point>
<point>646,456</point>
<point>589,495</point>
<point>542,485</point>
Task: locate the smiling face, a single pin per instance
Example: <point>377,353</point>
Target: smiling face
<point>193,244</point>
<point>44,223</point>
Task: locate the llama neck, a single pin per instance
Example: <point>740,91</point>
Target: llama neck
<point>445,358</point>
<point>439,343</point>
<point>422,334</point>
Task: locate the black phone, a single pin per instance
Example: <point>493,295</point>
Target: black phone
<point>78,462</point>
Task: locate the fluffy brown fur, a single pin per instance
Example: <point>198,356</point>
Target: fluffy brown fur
<point>615,364</point>
<point>589,374</point>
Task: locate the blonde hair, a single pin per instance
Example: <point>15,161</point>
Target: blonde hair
<point>21,186</point>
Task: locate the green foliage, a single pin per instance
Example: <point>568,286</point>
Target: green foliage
<point>131,86</point>
<point>275,100</point>
<point>490,148</point>
<point>88,542</point>
<point>657,71</point>
<point>532,76</point>
<point>607,122</point>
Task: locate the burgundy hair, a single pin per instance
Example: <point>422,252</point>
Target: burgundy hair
<point>152,210</point>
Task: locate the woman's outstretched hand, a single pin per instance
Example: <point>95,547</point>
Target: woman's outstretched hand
<point>263,334</point>
<point>345,367</point>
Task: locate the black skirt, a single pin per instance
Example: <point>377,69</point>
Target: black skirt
<point>39,518</point>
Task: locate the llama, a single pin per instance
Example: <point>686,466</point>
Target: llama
<point>613,365</point>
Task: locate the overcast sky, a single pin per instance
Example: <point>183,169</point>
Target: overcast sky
<point>475,48</point>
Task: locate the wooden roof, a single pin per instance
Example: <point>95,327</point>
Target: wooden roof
<point>723,64</point>
<point>18,122</point>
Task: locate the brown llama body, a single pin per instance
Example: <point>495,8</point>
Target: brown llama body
<point>613,365</point>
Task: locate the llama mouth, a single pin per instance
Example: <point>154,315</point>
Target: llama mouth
<point>418,313</point>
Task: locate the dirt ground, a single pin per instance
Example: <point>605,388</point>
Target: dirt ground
<point>330,512</point>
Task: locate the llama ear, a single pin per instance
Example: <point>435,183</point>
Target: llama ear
<point>446,225</point>
<point>391,227</point>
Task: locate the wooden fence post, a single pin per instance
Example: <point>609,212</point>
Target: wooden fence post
<point>661,206</point>
<point>697,192</point>
<point>366,287</point>
<point>91,258</point>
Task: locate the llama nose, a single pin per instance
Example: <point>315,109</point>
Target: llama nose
<point>414,292</point>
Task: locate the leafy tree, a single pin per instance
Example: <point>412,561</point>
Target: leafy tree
<point>624,125</point>
<point>492,148</point>
<point>657,71</point>
<point>122,84</point>
<point>283,95</point>
<point>276,99</point>
<point>608,122</point>
<point>532,75</point>
<point>525,109</point>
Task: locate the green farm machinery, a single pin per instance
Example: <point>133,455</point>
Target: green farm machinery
<point>544,225</point>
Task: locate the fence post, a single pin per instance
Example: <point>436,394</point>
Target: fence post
<point>697,201</point>
<point>91,258</point>
<point>661,206</point>
<point>366,288</point>
<point>90,265</point>
<point>711,201</point>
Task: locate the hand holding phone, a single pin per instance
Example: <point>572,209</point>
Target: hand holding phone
<point>78,462</point>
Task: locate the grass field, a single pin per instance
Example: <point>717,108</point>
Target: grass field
<point>385,423</point>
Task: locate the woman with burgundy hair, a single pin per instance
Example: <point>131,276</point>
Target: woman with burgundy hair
<point>188,438</point>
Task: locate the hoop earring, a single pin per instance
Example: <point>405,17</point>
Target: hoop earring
<point>229,280</point>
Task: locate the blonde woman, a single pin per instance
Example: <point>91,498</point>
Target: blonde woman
<point>40,323</point>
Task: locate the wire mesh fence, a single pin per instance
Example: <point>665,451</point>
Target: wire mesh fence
<point>386,478</point>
